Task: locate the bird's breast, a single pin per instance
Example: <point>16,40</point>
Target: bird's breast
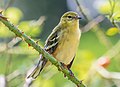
<point>67,47</point>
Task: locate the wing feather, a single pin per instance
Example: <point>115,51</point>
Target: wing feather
<point>52,41</point>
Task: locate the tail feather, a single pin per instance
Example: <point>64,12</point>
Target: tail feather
<point>35,73</point>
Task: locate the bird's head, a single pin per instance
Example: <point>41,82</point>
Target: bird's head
<point>70,17</point>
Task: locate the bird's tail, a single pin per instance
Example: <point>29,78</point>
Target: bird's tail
<point>42,62</point>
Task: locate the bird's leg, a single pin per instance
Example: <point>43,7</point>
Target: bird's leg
<point>71,73</point>
<point>66,67</point>
<point>63,65</point>
<point>69,66</point>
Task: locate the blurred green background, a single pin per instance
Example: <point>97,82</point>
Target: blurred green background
<point>37,19</point>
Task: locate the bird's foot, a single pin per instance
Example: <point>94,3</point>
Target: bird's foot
<point>61,67</point>
<point>71,73</point>
<point>65,67</point>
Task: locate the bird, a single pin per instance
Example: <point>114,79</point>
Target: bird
<point>62,43</point>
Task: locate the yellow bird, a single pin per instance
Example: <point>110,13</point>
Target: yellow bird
<point>62,43</point>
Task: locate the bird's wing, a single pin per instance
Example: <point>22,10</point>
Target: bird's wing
<point>50,46</point>
<point>53,40</point>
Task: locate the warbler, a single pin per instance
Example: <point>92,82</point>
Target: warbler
<point>62,43</point>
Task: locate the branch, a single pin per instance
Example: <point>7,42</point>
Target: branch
<point>91,24</point>
<point>115,50</point>
<point>80,9</point>
<point>3,82</point>
<point>106,74</point>
<point>32,43</point>
<point>10,2</point>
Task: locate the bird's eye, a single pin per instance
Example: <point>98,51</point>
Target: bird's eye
<point>69,16</point>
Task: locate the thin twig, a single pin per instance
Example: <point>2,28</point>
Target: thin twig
<point>106,74</point>
<point>112,4</point>
<point>112,7</point>
<point>3,82</point>
<point>99,33</point>
<point>92,23</point>
<point>113,51</point>
<point>9,4</point>
<point>80,9</point>
<point>13,75</point>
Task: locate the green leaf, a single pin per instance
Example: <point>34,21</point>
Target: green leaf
<point>116,16</point>
<point>112,31</point>
<point>14,14</point>
<point>4,32</point>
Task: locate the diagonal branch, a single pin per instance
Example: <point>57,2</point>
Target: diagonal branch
<point>32,43</point>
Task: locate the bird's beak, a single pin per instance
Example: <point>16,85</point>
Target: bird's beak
<point>79,17</point>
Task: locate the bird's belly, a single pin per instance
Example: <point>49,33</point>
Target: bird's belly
<point>66,50</point>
